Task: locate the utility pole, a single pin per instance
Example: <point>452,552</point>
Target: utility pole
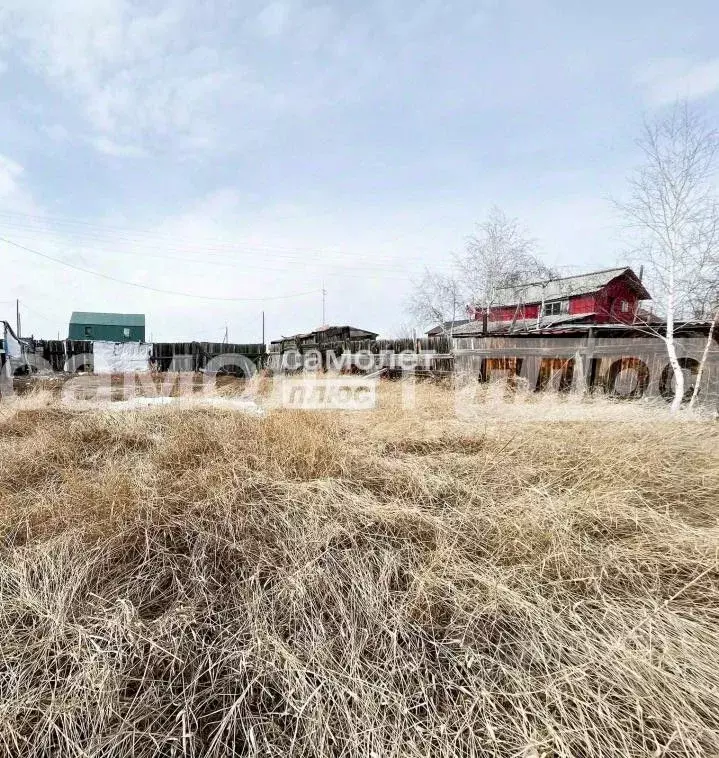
<point>17,312</point>
<point>324,294</point>
<point>226,340</point>
<point>263,328</point>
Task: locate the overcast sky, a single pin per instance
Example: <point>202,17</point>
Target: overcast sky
<point>248,150</point>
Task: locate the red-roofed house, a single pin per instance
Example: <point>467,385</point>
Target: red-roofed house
<point>600,297</point>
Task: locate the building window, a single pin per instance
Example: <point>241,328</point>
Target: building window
<point>625,306</point>
<point>553,309</point>
<point>126,332</point>
<point>88,331</point>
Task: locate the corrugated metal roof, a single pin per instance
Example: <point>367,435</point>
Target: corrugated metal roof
<point>329,327</point>
<point>473,328</point>
<point>325,329</point>
<point>447,326</point>
<point>107,319</point>
<point>555,289</point>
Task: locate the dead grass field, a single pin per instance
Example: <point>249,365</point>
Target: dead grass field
<point>396,583</point>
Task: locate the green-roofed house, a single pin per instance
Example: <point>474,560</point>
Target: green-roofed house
<point>107,327</point>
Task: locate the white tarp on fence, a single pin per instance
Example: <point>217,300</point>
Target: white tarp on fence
<point>14,348</point>
<point>121,357</point>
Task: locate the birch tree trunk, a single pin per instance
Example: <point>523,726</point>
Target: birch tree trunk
<point>674,210</point>
<point>671,344</point>
<point>705,356</point>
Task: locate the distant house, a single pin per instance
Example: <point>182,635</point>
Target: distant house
<point>107,327</point>
<point>321,336</point>
<point>446,328</point>
<point>332,333</point>
<point>600,297</point>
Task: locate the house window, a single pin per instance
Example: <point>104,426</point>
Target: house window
<point>88,331</point>
<point>553,309</point>
<point>625,306</point>
<point>126,332</point>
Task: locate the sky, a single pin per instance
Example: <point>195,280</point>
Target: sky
<point>241,157</point>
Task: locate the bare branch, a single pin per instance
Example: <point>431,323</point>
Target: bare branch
<point>673,210</point>
<point>499,254</point>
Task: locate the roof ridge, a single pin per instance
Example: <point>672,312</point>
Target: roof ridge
<point>563,278</point>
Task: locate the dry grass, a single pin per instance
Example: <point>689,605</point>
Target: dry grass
<point>399,583</point>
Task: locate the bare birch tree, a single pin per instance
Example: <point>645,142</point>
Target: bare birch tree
<point>673,210</point>
<point>438,299</point>
<point>499,254</point>
<point>705,356</point>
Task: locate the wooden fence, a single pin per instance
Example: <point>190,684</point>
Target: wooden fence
<point>195,356</point>
<point>68,355</point>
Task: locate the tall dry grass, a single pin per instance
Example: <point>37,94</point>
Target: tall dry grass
<point>399,583</point>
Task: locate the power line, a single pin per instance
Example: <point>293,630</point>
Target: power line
<point>141,236</point>
<point>345,269</point>
<point>149,287</point>
<point>387,267</point>
<point>296,254</point>
<point>67,221</point>
<point>382,270</point>
<point>300,258</point>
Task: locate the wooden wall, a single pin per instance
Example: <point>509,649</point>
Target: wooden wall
<point>632,366</point>
<point>67,355</point>
<point>195,356</point>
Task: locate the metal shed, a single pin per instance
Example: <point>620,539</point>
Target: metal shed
<point>110,327</point>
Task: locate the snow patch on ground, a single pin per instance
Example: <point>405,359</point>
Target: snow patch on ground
<point>230,403</point>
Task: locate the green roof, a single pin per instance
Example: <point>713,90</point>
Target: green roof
<point>108,319</point>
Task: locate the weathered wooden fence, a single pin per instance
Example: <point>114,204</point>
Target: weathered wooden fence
<point>621,364</point>
<point>626,366</point>
<point>58,353</point>
<point>380,350</point>
<point>76,355</point>
<point>195,356</point>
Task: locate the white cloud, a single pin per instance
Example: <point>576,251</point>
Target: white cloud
<point>175,76</point>
<point>9,170</point>
<point>667,79</point>
<point>57,132</point>
<point>108,147</point>
<point>136,74</point>
<point>272,19</point>
<point>14,196</point>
